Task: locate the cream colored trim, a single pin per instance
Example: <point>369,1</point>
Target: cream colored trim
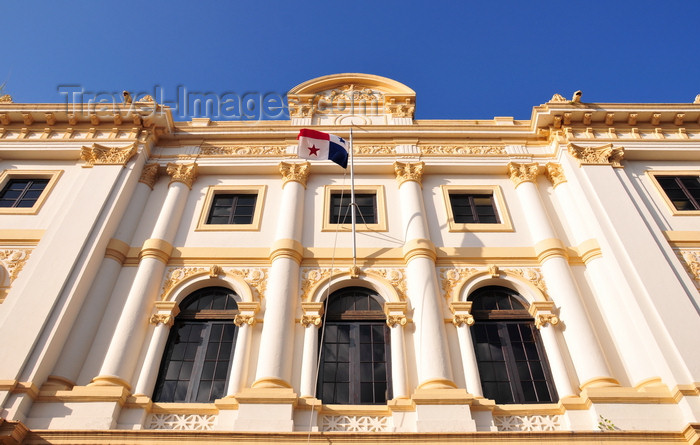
<point>117,250</point>
<point>679,238</point>
<point>287,248</point>
<point>214,190</point>
<point>502,210</point>
<point>380,226</point>
<point>653,174</point>
<point>156,248</point>
<point>21,237</point>
<point>51,175</point>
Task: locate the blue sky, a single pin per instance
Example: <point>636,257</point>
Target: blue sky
<point>465,60</point>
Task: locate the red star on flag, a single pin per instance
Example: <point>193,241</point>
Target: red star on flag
<point>313,150</point>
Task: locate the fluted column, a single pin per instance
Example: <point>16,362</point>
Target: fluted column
<point>462,319</point>
<point>162,320</point>
<point>311,320</point>
<point>87,324</point>
<point>275,359</point>
<point>586,354</point>
<point>434,369</point>
<point>546,321</point>
<point>245,321</point>
<point>396,320</point>
<point>119,363</point>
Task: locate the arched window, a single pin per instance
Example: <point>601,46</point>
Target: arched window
<point>512,364</point>
<point>197,358</point>
<point>355,350</point>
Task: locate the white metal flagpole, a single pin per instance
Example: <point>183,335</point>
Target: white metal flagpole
<point>352,203</point>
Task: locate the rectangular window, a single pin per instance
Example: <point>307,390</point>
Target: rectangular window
<point>476,208</point>
<point>473,208</point>
<point>371,208</point>
<point>24,191</point>
<point>366,210</point>
<point>232,208</point>
<point>682,191</point>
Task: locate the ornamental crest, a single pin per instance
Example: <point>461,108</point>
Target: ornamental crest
<point>101,155</point>
<point>605,155</point>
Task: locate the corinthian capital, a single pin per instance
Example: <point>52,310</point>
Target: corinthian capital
<point>408,171</point>
<point>295,171</point>
<point>520,173</point>
<point>185,173</point>
<point>604,155</point>
<point>149,176</point>
<point>554,173</point>
<point>100,155</point>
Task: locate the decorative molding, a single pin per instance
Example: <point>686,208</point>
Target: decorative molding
<point>408,171</point>
<point>462,319</point>
<point>146,99</point>
<point>165,319</point>
<point>13,261</point>
<point>100,155</point>
<point>692,262</point>
<point>554,173</point>
<point>241,319</point>
<point>474,150</point>
<point>256,278</point>
<point>355,424</point>
<point>452,277</point>
<point>295,171</point>
<point>396,320</point>
<point>310,319</point>
<point>542,320</point>
<point>528,423</point>
<point>188,422</point>
<point>149,175</point>
<point>533,275</point>
<point>461,313</point>
<point>405,109</point>
<point>244,150</point>
<point>396,276</point>
<point>558,98</point>
<point>374,150</point>
<point>184,173</point>
<point>311,277</point>
<point>6,99</point>
<point>520,173</point>
<point>603,155</point>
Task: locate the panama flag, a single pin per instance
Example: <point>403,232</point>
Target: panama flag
<point>318,145</point>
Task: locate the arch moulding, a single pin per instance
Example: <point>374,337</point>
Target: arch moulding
<point>318,283</point>
<point>247,283</point>
<point>459,283</point>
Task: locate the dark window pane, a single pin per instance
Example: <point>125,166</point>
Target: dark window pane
<point>22,192</point>
<point>683,191</point>
<point>233,208</point>
<point>340,208</point>
<point>468,208</point>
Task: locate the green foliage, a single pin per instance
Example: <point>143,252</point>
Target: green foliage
<point>606,424</point>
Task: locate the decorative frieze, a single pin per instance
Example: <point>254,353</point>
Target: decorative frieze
<point>405,109</point>
<point>454,276</point>
<point>374,150</point>
<point>100,155</point>
<point>254,277</point>
<point>311,277</point>
<point>13,261</point>
<point>244,150</point>
<point>528,423</point>
<point>185,422</point>
<point>531,274</point>
<point>295,171</point>
<point>185,173</point>
<point>520,173</point>
<point>149,175</point>
<point>554,173</point>
<point>355,424</point>
<point>396,276</point>
<point>408,171</point>
<point>462,150</point>
<point>603,155</point>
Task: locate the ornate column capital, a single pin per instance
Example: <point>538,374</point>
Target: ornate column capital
<point>395,313</point>
<point>295,171</point>
<point>603,155</point>
<point>247,313</point>
<point>312,313</point>
<point>149,175</point>
<point>409,171</point>
<point>185,173</point>
<point>554,173</point>
<point>520,173</point>
<point>544,313</point>
<point>461,313</point>
<point>100,155</point>
<point>165,313</point>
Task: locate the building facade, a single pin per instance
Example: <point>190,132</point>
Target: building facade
<point>514,280</point>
